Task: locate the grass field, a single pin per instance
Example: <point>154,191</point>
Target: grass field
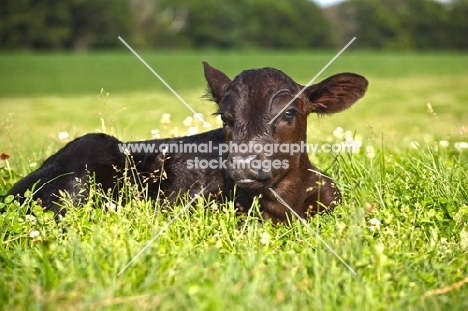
<point>402,225</point>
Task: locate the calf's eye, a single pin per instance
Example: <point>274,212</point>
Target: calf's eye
<point>223,118</point>
<point>289,114</point>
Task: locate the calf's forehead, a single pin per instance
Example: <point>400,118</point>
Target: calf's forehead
<point>249,99</point>
<point>253,89</point>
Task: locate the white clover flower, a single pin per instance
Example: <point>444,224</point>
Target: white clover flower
<point>188,122</point>
<point>32,164</point>
<point>214,206</point>
<point>374,225</point>
<point>370,151</point>
<point>110,206</point>
<point>32,219</point>
<point>166,119</point>
<point>349,136</point>
<point>265,238</point>
<point>34,234</point>
<point>63,135</point>
<point>338,132</point>
<point>444,143</point>
<point>155,134</point>
<point>460,146</point>
<point>192,130</point>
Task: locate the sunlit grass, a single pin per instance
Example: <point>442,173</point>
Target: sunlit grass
<point>402,225</point>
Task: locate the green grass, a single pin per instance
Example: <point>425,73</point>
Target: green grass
<point>210,258</point>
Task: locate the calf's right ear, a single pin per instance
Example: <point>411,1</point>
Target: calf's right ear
<point>217,82</point>
<point>335,93</point>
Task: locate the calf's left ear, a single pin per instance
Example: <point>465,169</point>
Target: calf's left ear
<point>217,82</point>
<point>335,93</point>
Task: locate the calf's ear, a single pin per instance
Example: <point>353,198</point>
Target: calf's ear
<point>335,93</point>
<point>217,82</point>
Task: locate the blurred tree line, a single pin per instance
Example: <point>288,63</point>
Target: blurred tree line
<point>87,24</point>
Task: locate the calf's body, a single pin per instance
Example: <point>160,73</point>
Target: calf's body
<point>259,107</point>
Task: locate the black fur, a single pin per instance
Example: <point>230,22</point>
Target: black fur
<point>98,157</point>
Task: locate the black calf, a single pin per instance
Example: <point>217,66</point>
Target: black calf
<point>246,104</point>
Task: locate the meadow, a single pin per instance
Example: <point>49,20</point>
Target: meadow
<point>402,225</point>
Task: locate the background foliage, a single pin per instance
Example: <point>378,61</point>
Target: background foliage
<point>86,24</point>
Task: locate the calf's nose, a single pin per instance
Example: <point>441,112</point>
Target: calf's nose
<point>247,167</point>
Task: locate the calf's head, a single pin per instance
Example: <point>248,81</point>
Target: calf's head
<point>247,105</point>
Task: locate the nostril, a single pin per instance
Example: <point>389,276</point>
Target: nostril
<point>263,176</point>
